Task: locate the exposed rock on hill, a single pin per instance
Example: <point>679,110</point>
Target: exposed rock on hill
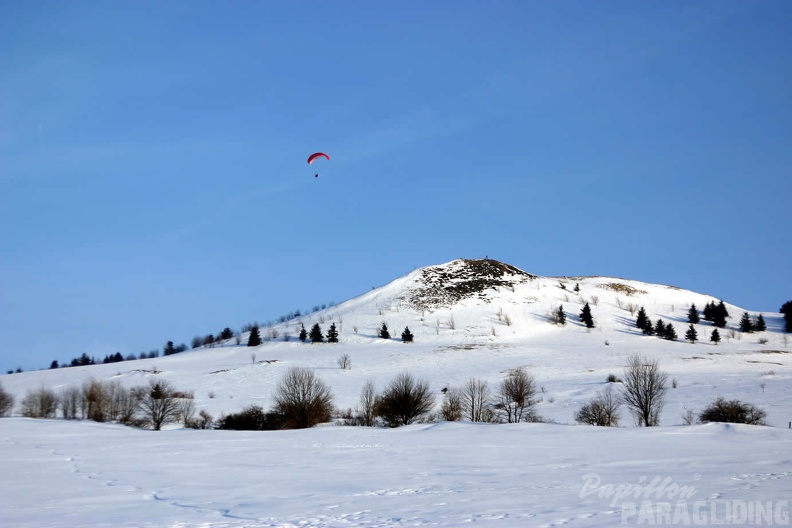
<point>445,285</point>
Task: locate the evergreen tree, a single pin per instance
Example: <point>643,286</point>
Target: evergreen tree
<point>315,335</point>
<point>383,332</point>
<point>746,325</point>
<point>169,349</point>
<point>670,333</point>
<point>691,334</point>
<point>586,317</point>
<point>709,310</point>
<point>255,337</point>
<point>577,287</point>
<point>560,315</point>
<point>786,309</point>
<point>693,315</point>
<point>642,321</point>
<point>407,336</point>
<point>332,334</point>
<point>227,333</point>
<point>760,325</point>
<point>303,333</point>
<point>659,328</point>
<point>54,364</point>
<point>718,319</point>
<point>715,337</point>
<point>719,314</point>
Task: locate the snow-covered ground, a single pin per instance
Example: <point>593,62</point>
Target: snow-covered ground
<point>58,473</point>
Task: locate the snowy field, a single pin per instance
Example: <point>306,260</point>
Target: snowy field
<point>64,474</point>
<point>59,473</point>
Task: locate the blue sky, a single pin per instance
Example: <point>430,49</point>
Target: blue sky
<point>153,183</point>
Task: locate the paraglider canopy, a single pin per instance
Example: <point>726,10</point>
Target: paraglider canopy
<point>313,157</point>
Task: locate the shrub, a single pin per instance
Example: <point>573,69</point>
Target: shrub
<point>733,411</point>
<point>6,402</point>
<point>344,362</point>
<point>613,378</point>
<point>602,411</point>
<point>252,418</point>
<point>404,401</point>
<point>204,421</point>
<point>302,399</point>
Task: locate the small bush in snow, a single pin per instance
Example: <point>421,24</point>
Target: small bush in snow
<point>405,401</point>
<point>733,411</point>
<point>251,418</point>
<point>602,411</point>
<point>344,362</point>
<point>302,399</point>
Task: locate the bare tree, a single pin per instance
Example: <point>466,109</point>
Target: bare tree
<point>69,400</point>
<point>643,390</point>
<point>452,408</point>
<point>94,400</point>
<point>368,403</point>
<point>303,399</point>
<point>476,400</point>
<point>603,410</point>
<point>6,402</point>
<point>40,403</point>
<point>186,410</point>
<point>404,401</point>
<point>158,406</point>
<point>516,394</point>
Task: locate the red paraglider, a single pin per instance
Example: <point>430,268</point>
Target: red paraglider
<point>316,155</point>
<point>313,157</point>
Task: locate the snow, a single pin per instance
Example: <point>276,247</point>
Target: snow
<point>59,473</point>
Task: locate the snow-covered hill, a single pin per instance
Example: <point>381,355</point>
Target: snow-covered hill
<point>470,319</point>
<point>480,318</point>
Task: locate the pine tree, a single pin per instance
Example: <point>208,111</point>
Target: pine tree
<point>227,333</point>
<point>709,310</point>
<point>315,335</point>
<point>642,321</point>
<point>693,315</point>
<point>560,315</point>
<point>54,364</point>
<point>383,332</point>
<point>255,337</point>
<point>670,333</point>
<point>577,287</point>
<point>586,317</point>
<point>169,349</point>
<point>691,334</point>
<point>659,328</point>
<point>715,337</point>
<point>332,334</point>
<point>719,314</point>
<point>746,325</point>
<point>760,325</point>
<point>407,336</point>
<point>303,333</point>
<point>786,309</point>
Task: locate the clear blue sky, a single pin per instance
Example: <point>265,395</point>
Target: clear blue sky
<point>153,183</point>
